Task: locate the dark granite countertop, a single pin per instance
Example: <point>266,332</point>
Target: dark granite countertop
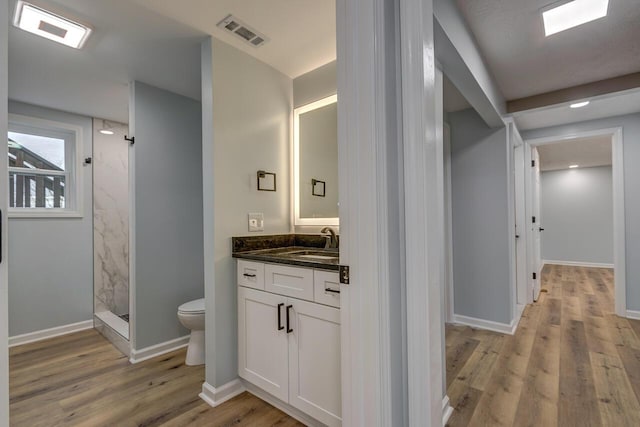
<point>291,249</point>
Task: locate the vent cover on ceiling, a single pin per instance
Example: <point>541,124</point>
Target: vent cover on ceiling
<point>243,31</point>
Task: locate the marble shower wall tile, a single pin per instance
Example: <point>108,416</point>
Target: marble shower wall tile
<point>111,219</point>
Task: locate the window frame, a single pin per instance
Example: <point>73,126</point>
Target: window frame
<point>73,136</point>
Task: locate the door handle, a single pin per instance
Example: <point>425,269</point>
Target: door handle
<point>280,327</point>
<point>289,329</point>
<point>540,229</point>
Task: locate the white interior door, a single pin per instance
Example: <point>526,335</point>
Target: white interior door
<point>262,341</point>
<point>448,230</point>
<point>536,227</point>
<point>520,221</point>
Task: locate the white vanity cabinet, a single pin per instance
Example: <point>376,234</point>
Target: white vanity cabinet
<point>290,347</point>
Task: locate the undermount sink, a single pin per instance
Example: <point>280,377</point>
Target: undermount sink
<point>314,254</point>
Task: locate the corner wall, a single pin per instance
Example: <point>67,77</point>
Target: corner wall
<point>166,212</point>
<point>51,263</point>
<point>480,211</point>
<point>247,116</point>
<point>631,146</point>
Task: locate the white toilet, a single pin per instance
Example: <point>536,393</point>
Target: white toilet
<point>191,315</point>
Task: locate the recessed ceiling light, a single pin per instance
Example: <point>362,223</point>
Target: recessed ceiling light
<point>573,166</point>
<point>580,104</point>
<point>50,26</point>
<point>572,14</point>
<point>106,132</point>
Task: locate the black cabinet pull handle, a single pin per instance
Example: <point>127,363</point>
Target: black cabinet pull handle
<point>280,327</point>
<point>249,275</point>
<point>289,329</point>
<point>333,291</point>
<point>540,229</point>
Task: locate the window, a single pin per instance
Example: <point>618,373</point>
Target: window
<point>43,167</point>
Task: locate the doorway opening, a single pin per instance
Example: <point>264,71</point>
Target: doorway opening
<point>574,191</point>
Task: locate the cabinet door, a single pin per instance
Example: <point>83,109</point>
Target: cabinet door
<point>262,348</point>
<point>314,361</point>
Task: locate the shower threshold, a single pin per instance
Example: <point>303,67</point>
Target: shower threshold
<point>117,323</point>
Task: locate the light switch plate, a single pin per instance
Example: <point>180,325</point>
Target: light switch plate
<point>256,221</point>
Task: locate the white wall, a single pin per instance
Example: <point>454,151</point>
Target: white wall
<point>51,263</point>
<point>631,146</point>
<point>480,218</point>
<point>577,215</point>
<point>247,114</point>
<point>167,211</point>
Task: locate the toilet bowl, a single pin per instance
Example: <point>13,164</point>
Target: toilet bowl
<point>191,315</point>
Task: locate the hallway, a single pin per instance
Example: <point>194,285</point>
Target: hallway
<point>572,362</point>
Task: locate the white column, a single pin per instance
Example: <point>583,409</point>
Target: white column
<point>423,238</point>
<point>391,347</point>
<point>4,309</point>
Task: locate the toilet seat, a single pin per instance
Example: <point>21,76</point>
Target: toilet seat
<point>192,307</point>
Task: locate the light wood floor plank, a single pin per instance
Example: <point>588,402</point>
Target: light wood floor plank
<point>571,362</point>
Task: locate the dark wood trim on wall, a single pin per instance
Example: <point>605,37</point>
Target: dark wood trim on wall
<point>575,93</point>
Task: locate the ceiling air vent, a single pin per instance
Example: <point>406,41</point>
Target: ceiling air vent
<point>243,31</point>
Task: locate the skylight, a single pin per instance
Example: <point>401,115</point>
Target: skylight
<point>572,14</point>
<point>50,26</point>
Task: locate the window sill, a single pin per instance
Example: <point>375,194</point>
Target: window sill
<point>28,213</point>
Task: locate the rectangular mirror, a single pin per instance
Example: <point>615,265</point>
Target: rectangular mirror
<point>315,160</point>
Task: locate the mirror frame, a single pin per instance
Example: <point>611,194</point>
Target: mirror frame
<point>297,220</point>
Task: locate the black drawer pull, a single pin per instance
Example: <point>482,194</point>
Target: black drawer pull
<point>333,291</point>
<point>249,275</point>
<point>280,327</point>
<point>289,329</point>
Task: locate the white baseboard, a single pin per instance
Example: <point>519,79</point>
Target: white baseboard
<point>215,396</point>
<point>147,353</point>
<point>490,325</point>
<point>447,410</point>
<point>284,407</point>
<point>577,264</point>
<point>50,333</point>
<point>633,314</point>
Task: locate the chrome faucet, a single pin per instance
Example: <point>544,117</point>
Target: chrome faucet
<point>331,238</point>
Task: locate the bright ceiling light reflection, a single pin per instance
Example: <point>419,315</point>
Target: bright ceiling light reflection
<point>50,26</point>
<point>572,14</point>
<point>573,166</point>
<point>580,104</point>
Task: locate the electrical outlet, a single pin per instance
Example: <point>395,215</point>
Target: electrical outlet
<point>256,221</point>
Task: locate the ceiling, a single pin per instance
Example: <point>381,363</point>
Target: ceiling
<point>524,62</point>
<point>618,104</point>
<point>129,42</point>
<point>453,100</point>
<point>584,152</point>
<point>302,33</point>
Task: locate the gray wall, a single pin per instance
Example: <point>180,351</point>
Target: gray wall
<point>631,134</point>
<point>577,215</point>
<point>479,199</point>
<point>250,106</point>
<point>167,170</point>
<point>315,85</point>
<point>51,263</point>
